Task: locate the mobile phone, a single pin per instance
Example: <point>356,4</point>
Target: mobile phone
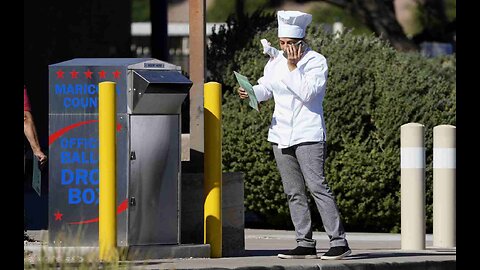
<point>302,43</point>
<point>296,44</point>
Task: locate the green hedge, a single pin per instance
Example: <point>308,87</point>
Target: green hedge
<point>371,91</point>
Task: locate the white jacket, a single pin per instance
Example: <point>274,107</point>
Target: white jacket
<point>298,95</point>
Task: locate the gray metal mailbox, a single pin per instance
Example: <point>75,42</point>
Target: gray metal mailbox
<point>149,94</point>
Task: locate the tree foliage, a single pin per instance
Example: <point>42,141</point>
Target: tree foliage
<point>377,16</point>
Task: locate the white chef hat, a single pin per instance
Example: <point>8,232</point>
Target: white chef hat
<point>292,24</point>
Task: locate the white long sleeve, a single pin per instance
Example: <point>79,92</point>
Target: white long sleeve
<point>308,83</point>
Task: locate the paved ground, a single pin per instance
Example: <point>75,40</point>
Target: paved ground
<point>369,251</point>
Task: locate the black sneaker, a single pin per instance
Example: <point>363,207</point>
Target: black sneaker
<point>336,253</point>
<point>300,253</point>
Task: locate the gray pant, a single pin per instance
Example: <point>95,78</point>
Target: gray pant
<point>303,164</point>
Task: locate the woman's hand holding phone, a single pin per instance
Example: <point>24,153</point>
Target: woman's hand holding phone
<point>294,54</point>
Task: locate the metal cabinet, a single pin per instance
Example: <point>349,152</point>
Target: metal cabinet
<point>149,95</point>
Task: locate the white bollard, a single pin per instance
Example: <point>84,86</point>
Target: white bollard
<point>412,182</point>
<point>444,186</point>
<point>337,29</point>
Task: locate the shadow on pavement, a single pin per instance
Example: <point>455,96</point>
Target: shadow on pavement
<point>263,252</point>
<point>370,255</point>
<point>356,256</point>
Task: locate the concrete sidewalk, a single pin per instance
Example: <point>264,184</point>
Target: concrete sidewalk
<point>369,251</point>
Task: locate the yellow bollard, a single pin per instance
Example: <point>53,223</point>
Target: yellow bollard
<point>107,232</point>
<point>213,168</point>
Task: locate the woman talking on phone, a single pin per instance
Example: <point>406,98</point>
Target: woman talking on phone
<point>296,77</point>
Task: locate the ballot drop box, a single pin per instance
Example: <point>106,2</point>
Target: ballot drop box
<point>149,94</point>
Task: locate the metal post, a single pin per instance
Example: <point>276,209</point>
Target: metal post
<point>159,23</point>
<point>107,232</point>
<point>197,72</point>
<point>412,164</point>
<point>444,186</point>
<point>213,168</point>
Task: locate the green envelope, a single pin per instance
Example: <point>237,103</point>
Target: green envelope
<point>245,84</point>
